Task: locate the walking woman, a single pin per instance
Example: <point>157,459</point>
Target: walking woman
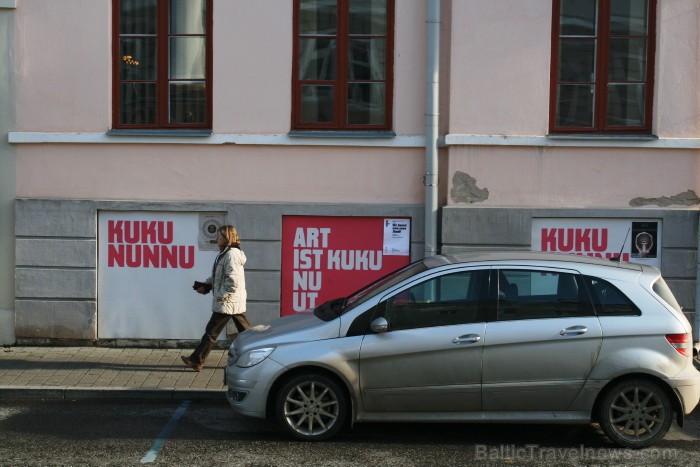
<point>227,283</point>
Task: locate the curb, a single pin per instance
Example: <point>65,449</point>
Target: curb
<point>83,393</point>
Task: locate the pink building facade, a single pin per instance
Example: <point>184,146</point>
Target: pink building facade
<point>552,116</point>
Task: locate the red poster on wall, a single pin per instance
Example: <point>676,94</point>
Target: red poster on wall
<point>330,257</point>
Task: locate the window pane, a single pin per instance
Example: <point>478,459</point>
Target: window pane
<point>316,103</point>
<point>578,18</point>
<point>317,17</point>
<point>577,60</point>
<point>317,59</point>
<point>443,301</point>
<point>187,17</point>
<point>609,300</point>
<point>368,17</point>
<point>138,104</point>
<point>188,102</point>
<point>138,59</point>
<point>366,59</point>
<point>366,103</point>
<point>539,294</point>
<point>575,105</point>
<point>628,58</point>
<point>137,17</point>
<point>187,57</point>
<point>628,17</point>
<point>626,104</point>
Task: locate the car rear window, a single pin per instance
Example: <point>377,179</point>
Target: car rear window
<point>609,300</point>
<point>662,290</point>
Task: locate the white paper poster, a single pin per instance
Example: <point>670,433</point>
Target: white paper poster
<point>147,264</point>
<point>397,236</point>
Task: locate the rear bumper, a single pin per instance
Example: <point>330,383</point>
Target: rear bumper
<point>687,386</point>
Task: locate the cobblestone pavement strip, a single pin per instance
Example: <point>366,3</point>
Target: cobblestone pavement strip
<point>48,371</point>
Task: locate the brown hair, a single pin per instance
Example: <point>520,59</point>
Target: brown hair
<point>230,235</point>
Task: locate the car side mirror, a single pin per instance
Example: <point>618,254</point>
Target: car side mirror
<point>379,325</point>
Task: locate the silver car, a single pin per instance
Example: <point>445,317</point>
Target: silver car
<point>479,337</point>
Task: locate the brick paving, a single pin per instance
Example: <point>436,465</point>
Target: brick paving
<point>74,372</point>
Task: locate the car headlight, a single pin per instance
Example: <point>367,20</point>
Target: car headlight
<point>253,357</point>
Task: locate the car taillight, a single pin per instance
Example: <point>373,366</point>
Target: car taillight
<point>680,342</point>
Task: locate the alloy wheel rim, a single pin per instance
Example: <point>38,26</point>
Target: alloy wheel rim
<point>637,414</point>
<point>311,408</point>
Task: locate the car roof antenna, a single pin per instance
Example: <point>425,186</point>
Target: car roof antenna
<point>618,258</point>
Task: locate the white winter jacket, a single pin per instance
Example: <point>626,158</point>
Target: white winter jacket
<point>228,283</point>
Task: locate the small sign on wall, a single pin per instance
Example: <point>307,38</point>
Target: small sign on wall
<point>638,240</point>
<point>330,257</point>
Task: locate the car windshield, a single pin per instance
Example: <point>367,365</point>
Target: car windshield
<point>337,307</point>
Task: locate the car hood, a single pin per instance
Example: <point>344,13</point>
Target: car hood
<point>298,328</point>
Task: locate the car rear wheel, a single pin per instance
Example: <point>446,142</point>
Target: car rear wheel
<point>311,407</point>
<point>635,413</point>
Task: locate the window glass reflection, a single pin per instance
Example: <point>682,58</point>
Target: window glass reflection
<point>187,17</point>
<point>137,17</point>
<point>627,59</point>
<point>187,57</point>
<point>577,60</point>
<point>578,17</point>
<point>575,105</point>
<point>368,17</point>
<point>366,59</point>
<point>628,17</point>
<point>138,104</point>
<point>318,17</point>
<point>316,103</point>
<point>366,103</point>
<point>187,102</point>
<point>626,104</point>
<point>137,59</point>
<point>317,59</point>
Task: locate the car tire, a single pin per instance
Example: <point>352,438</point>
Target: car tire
<point>311,407</point>
<point>635,413</point>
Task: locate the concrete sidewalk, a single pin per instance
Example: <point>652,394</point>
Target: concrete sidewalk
<point>111,373</point>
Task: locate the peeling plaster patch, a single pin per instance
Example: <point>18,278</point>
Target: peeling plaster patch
<point>688,198</point>
<point>464,189</point>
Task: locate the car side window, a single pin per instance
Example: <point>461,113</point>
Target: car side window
<point>532,294</point>
<point>609,300</point>
<point>457,298</point>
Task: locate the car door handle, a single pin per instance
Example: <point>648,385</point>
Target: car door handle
<point>574,331</point>
<point>467,339</point>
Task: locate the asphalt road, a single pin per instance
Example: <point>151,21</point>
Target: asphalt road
<point>208,433</point>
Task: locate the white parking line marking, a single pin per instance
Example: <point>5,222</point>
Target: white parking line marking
<point>152,453</point>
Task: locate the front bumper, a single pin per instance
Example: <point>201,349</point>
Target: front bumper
<point>248,388</point>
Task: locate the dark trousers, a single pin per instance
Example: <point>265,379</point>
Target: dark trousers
<point>216,324</point>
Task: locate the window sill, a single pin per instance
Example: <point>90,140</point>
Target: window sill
<point>340,134</point>
<point>575,141</point>
<point>601,137</point>
<point>166,133</point>
<point>206,137</point>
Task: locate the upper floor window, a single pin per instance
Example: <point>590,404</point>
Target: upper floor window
<point>602,66</point>
<point>342,73</point>
<point>162,64</point>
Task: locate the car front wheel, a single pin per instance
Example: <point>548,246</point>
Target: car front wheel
<point>635,413</point>
<point>311,407</point>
